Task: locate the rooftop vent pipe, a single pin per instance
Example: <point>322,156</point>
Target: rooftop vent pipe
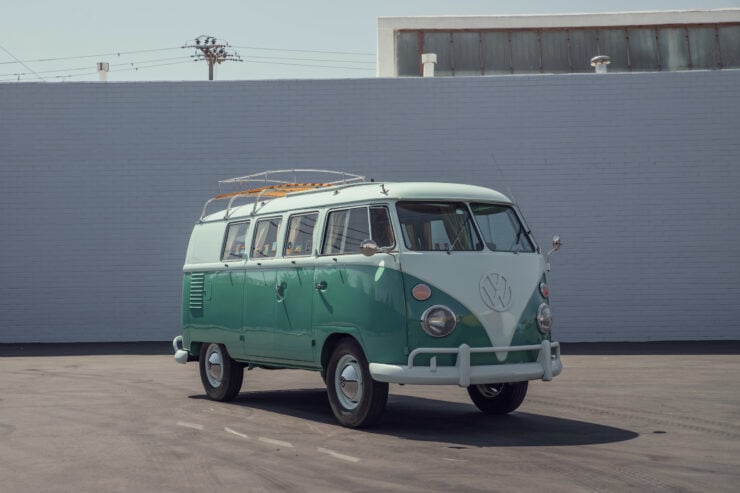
<point>428,60</point>
<point>103,68</point>
<point>600,62</point>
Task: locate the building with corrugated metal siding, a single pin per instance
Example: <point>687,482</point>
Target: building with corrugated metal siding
<point>101,183</point>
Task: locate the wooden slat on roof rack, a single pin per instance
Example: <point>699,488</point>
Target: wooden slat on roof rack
<point>272,186</point>
<point>275,190</point>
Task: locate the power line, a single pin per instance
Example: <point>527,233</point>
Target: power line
<point>27,67</point>
<point>144,64</point>
<point>129,69</point>
<point>45,72</point>
<point>307,51</point>
<point>309,65</point>
<point>132,52</point>
<point>138,62</point>
<point>116,53</point>
<point>308,59</point>
<point>152,66</point>
<point>140,65</point>
<point>88,68</point>
<point>151,61</point>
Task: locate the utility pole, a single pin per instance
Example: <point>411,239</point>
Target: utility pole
<point>213,51</point>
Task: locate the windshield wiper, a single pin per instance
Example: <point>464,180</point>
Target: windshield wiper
<point>518,235</point>
<point>517,239</point>
<point>459,232</point>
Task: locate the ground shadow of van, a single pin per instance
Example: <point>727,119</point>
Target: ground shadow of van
<point>460,425</point>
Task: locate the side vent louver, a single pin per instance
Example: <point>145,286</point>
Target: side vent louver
<point>197,290</point>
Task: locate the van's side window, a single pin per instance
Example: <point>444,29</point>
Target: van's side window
<point>300,235</point>
<point>234,243</point>
<point>346,229</point>
<point>380,224</point>
<point>265,238</point>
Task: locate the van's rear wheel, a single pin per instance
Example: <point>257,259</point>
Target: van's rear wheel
<point>498,398</point>
<point>355,398</point>
<point>221,376</point>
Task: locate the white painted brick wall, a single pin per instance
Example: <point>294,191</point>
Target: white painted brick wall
<point>101,183</point>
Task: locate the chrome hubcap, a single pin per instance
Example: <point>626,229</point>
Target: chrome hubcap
<point>214,365</point>
<point>490,391</point>
<point>348,382</point>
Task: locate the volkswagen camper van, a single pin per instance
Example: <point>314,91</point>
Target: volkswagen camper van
<point>370,283</point>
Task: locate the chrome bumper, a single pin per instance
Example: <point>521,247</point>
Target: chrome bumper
<point>546,367</point>
<point>181,356</point>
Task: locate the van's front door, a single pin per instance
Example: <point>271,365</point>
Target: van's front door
<point>358,295</point>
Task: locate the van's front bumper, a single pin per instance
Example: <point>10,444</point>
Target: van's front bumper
<point>546,367</point>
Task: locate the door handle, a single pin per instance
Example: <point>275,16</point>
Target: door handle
<point>280,291</point>
<point>321,286</point>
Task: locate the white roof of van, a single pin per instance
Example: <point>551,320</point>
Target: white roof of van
<point>363,193</point>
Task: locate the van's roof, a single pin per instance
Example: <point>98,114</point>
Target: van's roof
<point>364,192</point>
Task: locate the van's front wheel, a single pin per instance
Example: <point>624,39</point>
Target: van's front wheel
<point>499,398</point>
<point>221,376</point>
<point>355,398</point>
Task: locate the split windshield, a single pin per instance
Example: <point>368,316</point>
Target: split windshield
<point>501,229</point>
<point>448,226</point>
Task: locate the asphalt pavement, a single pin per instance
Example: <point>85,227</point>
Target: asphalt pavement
<point>140,422</point>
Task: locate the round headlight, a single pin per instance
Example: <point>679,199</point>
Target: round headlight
<point>438,321</point>
<point>544,318</point>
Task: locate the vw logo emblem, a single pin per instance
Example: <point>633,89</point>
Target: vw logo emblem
<point>495,291</point>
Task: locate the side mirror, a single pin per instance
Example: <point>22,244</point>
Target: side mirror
<point>556,244</point>
<point>369,248</point>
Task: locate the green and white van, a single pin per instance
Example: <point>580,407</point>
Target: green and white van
<point>369,283</point>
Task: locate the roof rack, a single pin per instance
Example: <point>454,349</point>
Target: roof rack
<point>273,184</point>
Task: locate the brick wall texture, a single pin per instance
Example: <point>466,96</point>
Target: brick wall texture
<point>638,173</point>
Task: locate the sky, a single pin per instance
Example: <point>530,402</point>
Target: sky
<point>61,41</point>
